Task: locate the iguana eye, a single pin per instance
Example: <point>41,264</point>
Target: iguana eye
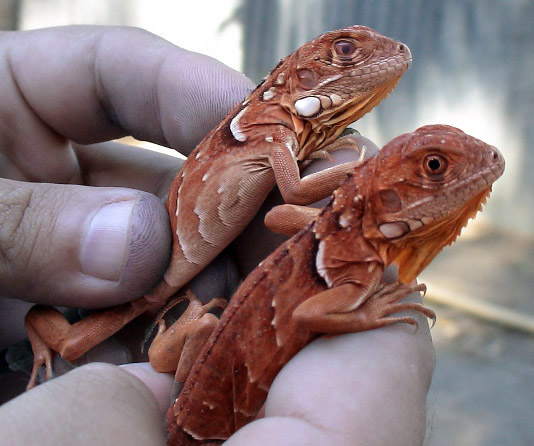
<point>345,49</point>
<point>435,164</point>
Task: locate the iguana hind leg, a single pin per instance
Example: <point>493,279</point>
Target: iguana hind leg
<point>50,332</point>
<point>176,348</point>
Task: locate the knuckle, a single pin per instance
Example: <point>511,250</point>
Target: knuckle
<point>21,227</point>
<point>14,205</point>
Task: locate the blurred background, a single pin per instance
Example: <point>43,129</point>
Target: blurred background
<point>473,68</point>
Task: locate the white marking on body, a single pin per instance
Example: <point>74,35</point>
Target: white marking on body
<point>326,102</point>
<point>328,81</point>
<point>206,403</point>
<point>308,106</point>
<point>392,230</point>
<point>280,79</point>
<point>269,139</point>
<point>235,129</point>
<point>344,221</point>
<point>421,202</point>
<point>197,156</point>
<point>269,94</point>
<point>178,200</point>
<point>291,147</point>
<point>205,176</point>
<point>414,224</point>
<point>336,99</point>
<point>279,342</point>
<point>320,265</point>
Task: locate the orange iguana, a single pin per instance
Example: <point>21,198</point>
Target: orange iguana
<point>400,207</point>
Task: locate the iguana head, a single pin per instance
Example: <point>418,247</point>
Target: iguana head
<point>425,186</point>
<point>339,77</point>
<point>333,80</point>
<point>322,87</point>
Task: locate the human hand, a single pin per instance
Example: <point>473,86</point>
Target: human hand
<point>64,92</point>
<point>356,389</point>
<point>95,413</point>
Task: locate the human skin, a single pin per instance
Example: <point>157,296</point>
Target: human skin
<point>66,92</point>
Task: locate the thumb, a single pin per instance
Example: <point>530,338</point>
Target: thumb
<point>80,246</point>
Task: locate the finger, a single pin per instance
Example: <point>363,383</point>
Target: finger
<point>80,247</point>
<point>95,404</point>
<point>119,165</point>
<point>90,84</point>
<point>160,384</point>
<point>362,388</point>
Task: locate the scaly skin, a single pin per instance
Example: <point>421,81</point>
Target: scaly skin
<point>402,207</point>
<point>296,114</point>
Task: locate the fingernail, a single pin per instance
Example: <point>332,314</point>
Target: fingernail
<point>104,246</point>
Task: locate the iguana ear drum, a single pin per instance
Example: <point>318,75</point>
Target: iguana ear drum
<point>307,78</point>
<point>390,200</point>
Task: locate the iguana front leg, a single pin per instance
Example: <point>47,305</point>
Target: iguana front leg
<point>356,299</point>
<point>299,190</point>
<point>288,219</point>
<point>325,312</point>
